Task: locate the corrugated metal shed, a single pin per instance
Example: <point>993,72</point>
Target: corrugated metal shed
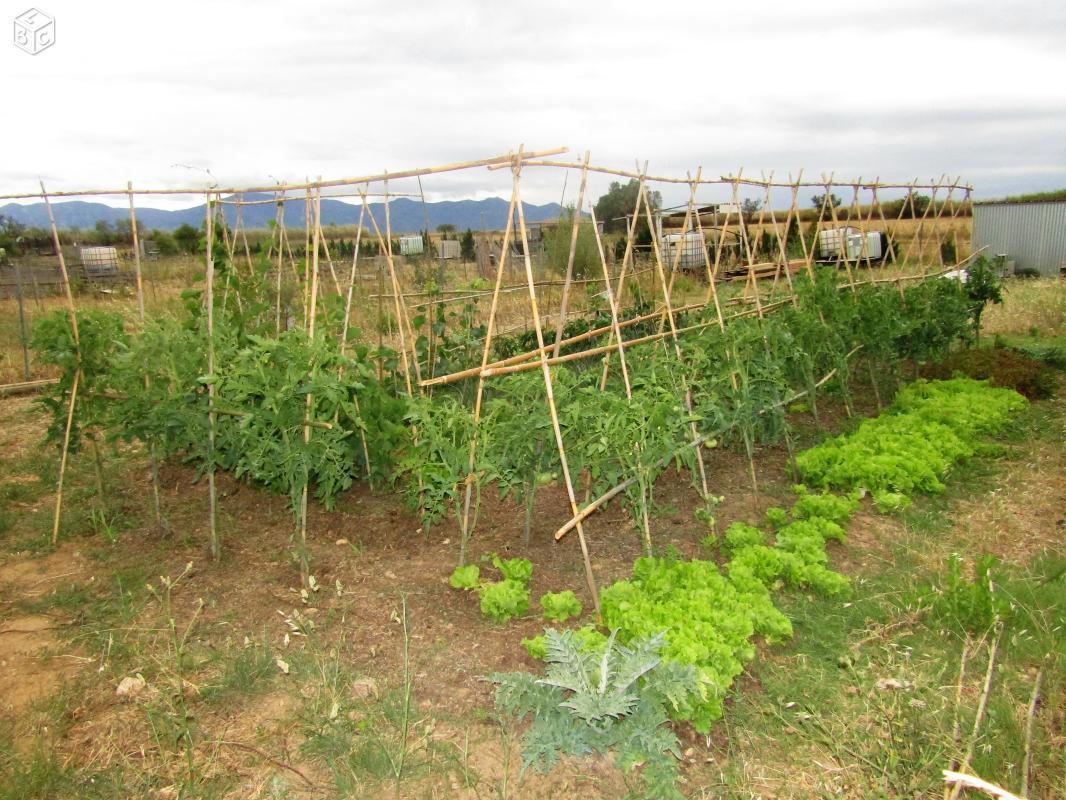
<point>1032,235</point>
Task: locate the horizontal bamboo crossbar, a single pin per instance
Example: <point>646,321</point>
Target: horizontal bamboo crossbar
<point>729,179</point>
<point>25,387</point>
<point>417,172</point>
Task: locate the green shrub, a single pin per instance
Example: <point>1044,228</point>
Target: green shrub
<point>1004,367</point>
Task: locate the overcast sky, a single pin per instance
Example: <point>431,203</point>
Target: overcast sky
<point>264,90</point>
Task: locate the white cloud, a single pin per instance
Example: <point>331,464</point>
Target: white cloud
<point>346,88</point>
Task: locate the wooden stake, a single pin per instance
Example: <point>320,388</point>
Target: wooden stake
<point>73,315</point>
<point>674,333</point>
<point>546,372</point>
<point>344,334</point>
<point>157,506</point>
<point>464,527</point>
<point>209,300</point>
<point>565,299</point>
<point>305,560</point>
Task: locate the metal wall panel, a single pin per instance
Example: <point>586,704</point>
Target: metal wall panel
<point>1033,235</point>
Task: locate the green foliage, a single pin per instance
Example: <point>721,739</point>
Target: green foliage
<point>1004,367</point>
<point>467,248</point>
<point>984,285</point>
<point>972,605</point>
<point>100,336</point>
<point>436,463</point>
<point>187,238</point>
<point>739,535</point>
<point>588,639</point>
<point>825,203</point>
<point>827,506</point>
<point>620,201</point>
<point>709,621</point>
<point>891,502</point>
<point>560,606</point>
<point>613,700</point>
<point>557,246</point>
<point>465,577</point>
<point>270,381</point>
<point>519,570</point>
<point>912,447</point>
<point>504,599</point>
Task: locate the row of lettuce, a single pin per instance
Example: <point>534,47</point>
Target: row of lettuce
<point>151,386</point>
<point>695,622</point>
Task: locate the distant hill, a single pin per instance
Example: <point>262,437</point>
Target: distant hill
<point>406,214</point>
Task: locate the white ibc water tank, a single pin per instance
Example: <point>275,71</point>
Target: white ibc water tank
<point>692,250</point>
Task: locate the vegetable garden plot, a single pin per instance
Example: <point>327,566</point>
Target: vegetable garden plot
<point>267,377</point>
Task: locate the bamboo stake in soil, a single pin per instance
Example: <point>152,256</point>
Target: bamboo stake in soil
<point>344,334</point>
<point>465,527</point>
<point>575,223</point>
<point>156,505</point>
<point>979,717</point>
<point>546,372</point>
<point>1030,721</point>
<point>209,300</point>
<point>23,334</point>
<point>305,562</point>
<point>77,374</point>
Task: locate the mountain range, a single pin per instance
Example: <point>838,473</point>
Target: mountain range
<point>406,215</point>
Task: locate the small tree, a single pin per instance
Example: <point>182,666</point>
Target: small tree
<point>826,207</point>
<point>984,285</point>
<point>467,249</point>
<point>620,200</point>
<point>445,228</point>
<point>749,208</point>
<point>557,246</point>
<point>187,238</point>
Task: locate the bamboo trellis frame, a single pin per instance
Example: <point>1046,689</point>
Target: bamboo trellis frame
<point>515,233</point>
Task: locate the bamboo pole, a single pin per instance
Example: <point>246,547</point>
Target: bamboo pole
<point>766,345</point>
<point>613,305</point>
<point>334,196</point>
<point>674,334</point>
<point>401,317</point>
<point>244,237</point>
<point>307,254</point>
<point>209,300</point>
<point>546,373</point>
<point>344,335</point>
<point>575,224</point>
<point>782,243</point>
<point>724,179</point>
<point>279,216</point>
<point>305,561</point>
<point>627,258</point>
<point>464,526</point>
<point>352,181</point>
<point>25,387</point>
<point>24,337</point>
<point>73,316</point>
<point>154,461</point>
<point>982,706</point>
